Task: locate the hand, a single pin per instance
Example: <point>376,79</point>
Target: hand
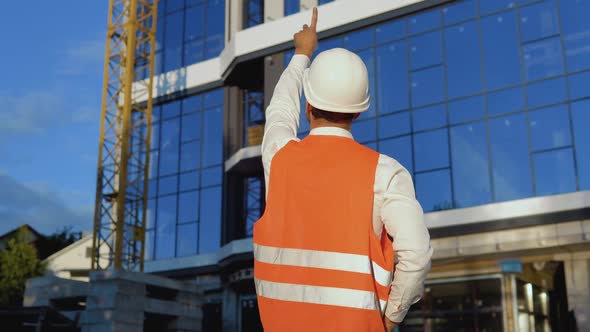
<point>389,325</point>
<point>306,40</point>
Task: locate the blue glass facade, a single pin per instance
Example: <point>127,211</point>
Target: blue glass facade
<point>254,12</point>
<point>253,111</point>
<point>253,202</point>
<point>188,31</point>
<point>254,108</point>
<point>184,200</point>
<point>291,7</point>
<point>482,101</point>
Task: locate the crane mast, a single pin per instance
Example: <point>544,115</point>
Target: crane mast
<point>125,130</point>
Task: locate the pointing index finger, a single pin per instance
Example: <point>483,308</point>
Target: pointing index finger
<point>314,18</point>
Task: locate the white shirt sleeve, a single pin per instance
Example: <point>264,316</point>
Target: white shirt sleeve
<point>282,113</point>
<point>402,216</point>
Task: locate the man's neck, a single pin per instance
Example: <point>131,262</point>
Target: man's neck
<point>320,124</point>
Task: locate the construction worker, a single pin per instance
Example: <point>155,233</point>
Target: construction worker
<point>324,260</point>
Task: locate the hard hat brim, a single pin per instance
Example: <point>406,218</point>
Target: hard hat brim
<point>314,100</point>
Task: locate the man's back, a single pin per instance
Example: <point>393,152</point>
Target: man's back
<point>315,248</point>
<point>325,176</point>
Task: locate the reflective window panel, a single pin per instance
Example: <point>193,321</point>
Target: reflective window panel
<point>510,85</point>
<point>185,173</point>
<point>291,7</point>
<point>480,100</point>
<point>188,33</point>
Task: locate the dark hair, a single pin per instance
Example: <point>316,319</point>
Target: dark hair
<point>332,116</point>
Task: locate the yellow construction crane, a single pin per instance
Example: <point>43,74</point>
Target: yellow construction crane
<point>125,129</point>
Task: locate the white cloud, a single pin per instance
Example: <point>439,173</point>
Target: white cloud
<point>69,97</point>
<point>30,113</point>
<point>87,114</point>
<point>38,206</point>
<point>36,111</point>
<point>78,59</point>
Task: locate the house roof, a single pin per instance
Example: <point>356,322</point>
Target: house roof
<point>14,231</point>
<point>86,238</point>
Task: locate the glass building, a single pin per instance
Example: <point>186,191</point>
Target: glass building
<point>485,102</point>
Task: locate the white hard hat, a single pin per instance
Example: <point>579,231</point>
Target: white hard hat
<point>337,81</point>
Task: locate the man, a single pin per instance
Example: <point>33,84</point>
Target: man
<point>324,260</point>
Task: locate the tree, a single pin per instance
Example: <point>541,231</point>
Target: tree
<point>56,242</point>
<point>18,263</point>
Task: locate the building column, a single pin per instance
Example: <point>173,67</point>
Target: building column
<point>577,276</point>
<point>234,13</point>
<point>233,141</point>
<point>273,68</point>
<point>229,311</point>
<point>273,10</point>
<point>509,295</point>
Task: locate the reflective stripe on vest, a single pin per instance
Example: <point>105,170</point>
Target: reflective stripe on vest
<point>323,260</point>
<point>342,297</point>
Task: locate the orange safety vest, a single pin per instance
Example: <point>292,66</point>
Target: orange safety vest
<point>318,264</point>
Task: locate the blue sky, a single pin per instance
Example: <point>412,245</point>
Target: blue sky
<point>50,94</point>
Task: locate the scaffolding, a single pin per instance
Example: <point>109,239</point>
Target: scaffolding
<point>125,129</point>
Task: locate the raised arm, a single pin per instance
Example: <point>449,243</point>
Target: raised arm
<point>282,114</point>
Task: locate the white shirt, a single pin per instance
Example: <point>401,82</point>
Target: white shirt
<point>394,205</point>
